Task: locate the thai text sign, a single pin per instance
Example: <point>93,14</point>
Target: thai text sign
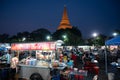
<point>33,46</point>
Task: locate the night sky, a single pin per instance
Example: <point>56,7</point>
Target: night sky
<point>102,16</point>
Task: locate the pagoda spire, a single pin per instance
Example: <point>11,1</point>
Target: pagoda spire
<point>65,23</point>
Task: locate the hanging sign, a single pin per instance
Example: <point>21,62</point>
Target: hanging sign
<point>33,46</point>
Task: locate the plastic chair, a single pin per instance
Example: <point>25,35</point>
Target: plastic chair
<point>81,77</point>
<point>76,77</point>
<point>96,70</point>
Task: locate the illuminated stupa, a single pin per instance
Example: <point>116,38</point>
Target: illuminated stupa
<point>65,23</point>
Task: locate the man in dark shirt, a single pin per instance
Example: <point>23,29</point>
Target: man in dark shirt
<point>118,53</point>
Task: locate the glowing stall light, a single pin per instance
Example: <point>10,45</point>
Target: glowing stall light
<point>95,34</point>
<point>95,38</point>
<point>48,37</point>
<point>114,34</point>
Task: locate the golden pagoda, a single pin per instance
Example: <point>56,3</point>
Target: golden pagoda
<point>65,23</point>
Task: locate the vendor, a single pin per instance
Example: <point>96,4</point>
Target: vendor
<point>14,63</point>
<point>7,57</point>
<point>118,53</point>
<point>23,55</point>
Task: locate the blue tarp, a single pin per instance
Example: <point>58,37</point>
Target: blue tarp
<point>3,48</point>
<point>113,41</point>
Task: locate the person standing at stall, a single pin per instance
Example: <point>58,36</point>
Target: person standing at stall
<point>118,53</point>
<point>74,58</point>
<point>8,57</point>
<point>14,63</point>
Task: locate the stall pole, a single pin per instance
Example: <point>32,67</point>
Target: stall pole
<point>106,60</point>
<point>18,54</point>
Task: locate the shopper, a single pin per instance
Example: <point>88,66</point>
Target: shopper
<point>7,57</point>
<point>118,53</point>
<point>14,63</point>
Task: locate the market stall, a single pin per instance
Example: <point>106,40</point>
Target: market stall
<point>4,68</point>
<point>41,57</point>
<point>113,42</point>
<point>4,47</point>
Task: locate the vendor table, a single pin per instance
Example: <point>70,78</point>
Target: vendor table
<point>26,71</point>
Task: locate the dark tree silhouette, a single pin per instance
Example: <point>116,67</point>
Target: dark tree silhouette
<point>4,38</point>
<point>73,36</point>
<point>39,34</point>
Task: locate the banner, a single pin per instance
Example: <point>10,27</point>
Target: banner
<point>33,46</point>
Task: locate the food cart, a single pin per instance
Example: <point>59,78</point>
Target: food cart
<point>45,54</point>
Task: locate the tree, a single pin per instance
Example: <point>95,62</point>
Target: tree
<point>99,40</point>
<point>73,36</point>
<point>4,38</point>
<point>117,31</point>
<point>13,39</point>
<point>39,34</point>
<point>22,36</point>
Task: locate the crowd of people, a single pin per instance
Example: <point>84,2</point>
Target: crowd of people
<point>72,57</point>
<point>11,64</point>
<point>91,60</point>
<point>114,64</point>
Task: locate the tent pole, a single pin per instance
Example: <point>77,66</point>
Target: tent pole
<point>106,59</point>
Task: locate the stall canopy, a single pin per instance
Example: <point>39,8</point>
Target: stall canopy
<point>4,46</point>
<point>113,41</point>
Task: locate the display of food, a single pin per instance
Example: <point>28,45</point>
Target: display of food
<point>45,55</point>
<point>42,63</point>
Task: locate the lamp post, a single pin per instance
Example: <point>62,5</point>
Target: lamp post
<point>23,39</point>
<point>48,38</point>
<point>64,37</point>
<point>115,34</point>
<point>95,35</point>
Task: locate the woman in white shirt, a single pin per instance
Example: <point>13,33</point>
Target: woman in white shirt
<point>14,63</point>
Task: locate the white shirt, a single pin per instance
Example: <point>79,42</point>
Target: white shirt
<point>14,62</point>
